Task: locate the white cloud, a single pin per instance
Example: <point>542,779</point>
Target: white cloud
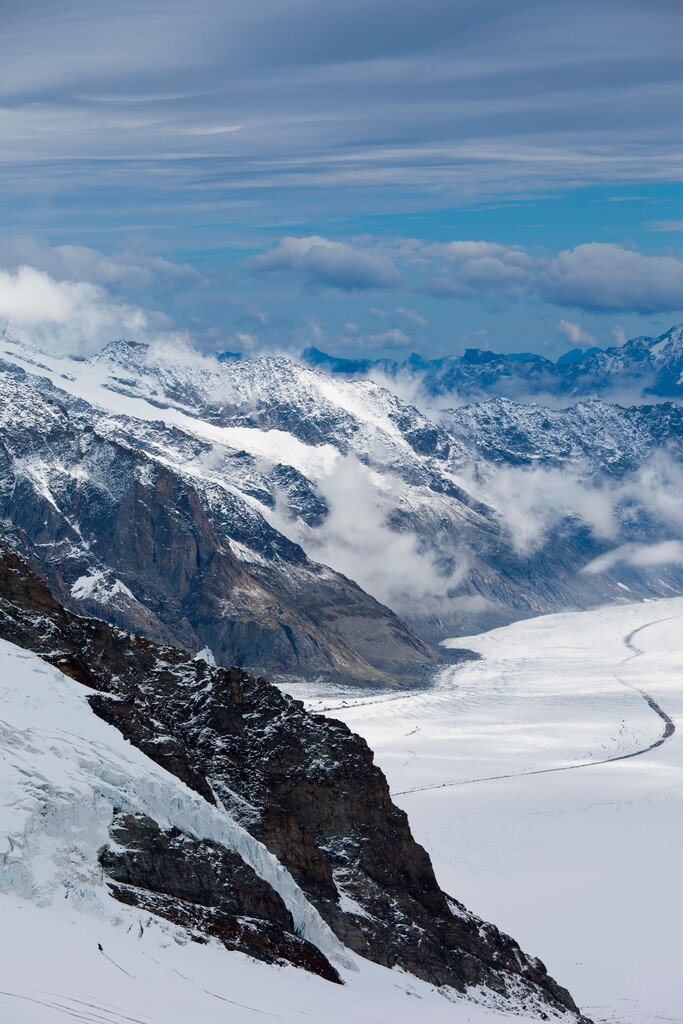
<point>604,277</point>
<point>393,338</point>
<point>399,312</point>
<point>322,262</point>
<point>575,334</point>
<point>594,276</point>
<point>73,316</point>
<point>531,501</point>
<point>355,540</point>
<point>668,552</point>
<point>666,225</point>
<point>80,263</point>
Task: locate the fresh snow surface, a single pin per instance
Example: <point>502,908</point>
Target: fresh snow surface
<point>97,588</point>
<point>508,773</point>
<point>62,771</point>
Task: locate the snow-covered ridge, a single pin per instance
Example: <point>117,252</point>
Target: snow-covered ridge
<point>633,372</point>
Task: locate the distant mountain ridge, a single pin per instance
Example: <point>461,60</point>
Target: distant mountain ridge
<point>640,368</point>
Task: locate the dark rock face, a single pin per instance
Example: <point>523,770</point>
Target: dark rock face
<point>303,785</point>
<point>206,888</point>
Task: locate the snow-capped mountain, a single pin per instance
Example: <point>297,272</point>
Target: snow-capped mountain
<point>158,528</point>
<point>272,516</point>
<point>604,438</point>
<point>265,488</point>
<point>640,368</point>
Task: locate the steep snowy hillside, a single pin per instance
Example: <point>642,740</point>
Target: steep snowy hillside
<point>547,780</point>
<point>148,527</point>
<point>167,800</point>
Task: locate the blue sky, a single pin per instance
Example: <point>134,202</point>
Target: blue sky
<point>369,177</point>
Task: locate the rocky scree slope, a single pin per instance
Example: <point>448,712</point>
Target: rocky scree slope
<point>303,785</point>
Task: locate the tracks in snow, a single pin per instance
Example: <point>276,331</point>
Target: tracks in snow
<point>667,732</point>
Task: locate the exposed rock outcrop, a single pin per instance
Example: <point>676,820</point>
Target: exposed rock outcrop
<point>207,889</point>
<point>302,784</point>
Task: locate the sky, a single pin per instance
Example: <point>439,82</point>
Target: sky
<point>372,178</point>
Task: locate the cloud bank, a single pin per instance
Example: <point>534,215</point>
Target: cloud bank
<point>595,276</point>
<point>77,317</point>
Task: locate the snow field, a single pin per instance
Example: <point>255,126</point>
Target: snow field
<point>501,771</point>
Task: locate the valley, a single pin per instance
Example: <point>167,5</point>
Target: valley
<point>543,784</point>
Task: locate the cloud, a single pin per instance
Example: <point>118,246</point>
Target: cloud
<point>356,540</point>
<point>532,501</point>
<point>73,316</point>
<point>668,552</point>
<point>356,108</point>
<point>594,276</point>
<point>130,270</point>
<point>665,225</point>
<point>575,334</point>
<point>393,338</point>
<point>601,277</point>
<point>321,262</point>
<point>399,312</point>
<point>463,269</point>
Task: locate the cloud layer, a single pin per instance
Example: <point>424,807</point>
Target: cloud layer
<point>70,316</point>
<point>594,276</point>
<point>461,98</point>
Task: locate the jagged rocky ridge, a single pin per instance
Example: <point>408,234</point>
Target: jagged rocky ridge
<point>302,784</point>
<point>640,368</point>
<point>605,439</point>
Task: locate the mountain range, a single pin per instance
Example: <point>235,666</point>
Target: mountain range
<point>295,522</point>
<point>640,368</point>
<point>178,527</point>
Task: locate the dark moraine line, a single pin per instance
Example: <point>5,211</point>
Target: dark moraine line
<point>668,731</point>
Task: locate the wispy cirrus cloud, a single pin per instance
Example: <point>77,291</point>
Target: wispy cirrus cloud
<point>451,99</point>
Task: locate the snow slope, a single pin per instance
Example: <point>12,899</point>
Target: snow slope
<point>62,772</point>
<point>519,776</point>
